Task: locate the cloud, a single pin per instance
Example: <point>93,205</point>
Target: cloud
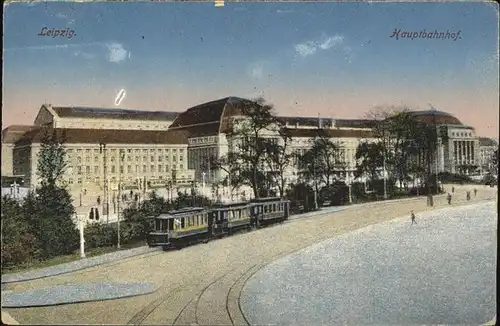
<point>285,11</point>
<point>325,43</point>
<point>85,55</point>
<point>117,53</point>
<point>330,42</point>
<point>305,49</point>
<point>256,71</point>
<point>65,17</point>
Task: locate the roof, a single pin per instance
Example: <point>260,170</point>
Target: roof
<point>108,136</point>
<point>113,113</point>
<point>13,133</point>
<point>484,141</point>
<point>435,117</point>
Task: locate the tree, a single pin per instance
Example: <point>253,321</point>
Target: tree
<point>19,244</point>
<point>279,158</point>
<point>52,157</point>
<point>369,159</point>
<point>324,161</point>
<point>52,208</point>
<point>248,142</point>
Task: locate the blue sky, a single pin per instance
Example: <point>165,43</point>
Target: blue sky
<point>334,59</point>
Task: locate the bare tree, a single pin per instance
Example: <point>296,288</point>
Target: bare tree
<point>279,158</point>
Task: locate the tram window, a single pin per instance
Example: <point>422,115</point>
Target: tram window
<point>239,214</point>
<point>197,220</point>
<point>183,223</point>
<point>274,207</point>
<point>170,224</point>
<point>157,225</point>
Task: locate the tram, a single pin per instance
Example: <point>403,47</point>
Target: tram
<point>180,228</point>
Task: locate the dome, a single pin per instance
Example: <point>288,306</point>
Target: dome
<point>436,117</point>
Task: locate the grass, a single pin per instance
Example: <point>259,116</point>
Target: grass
<point>68,258</point>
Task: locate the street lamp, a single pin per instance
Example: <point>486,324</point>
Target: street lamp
<point>105,202</point>
<point>349,185</point>
<point>315,188</point>
<point>203,182</point>
<point>384,175</point>
<point>122,157</point>
<point>81,219</point>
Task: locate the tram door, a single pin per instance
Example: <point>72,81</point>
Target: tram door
<point>218,222</point>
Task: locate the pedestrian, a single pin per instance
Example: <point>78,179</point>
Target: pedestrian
<point>413,218</point>
<point>468,195</point>
<point>475,192</point>
<point>452,190</point>
<point>98,200</point>
<point>449,199</point>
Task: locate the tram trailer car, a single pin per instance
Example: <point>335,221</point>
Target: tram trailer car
<point>270,210</point>
<point>183,227</point>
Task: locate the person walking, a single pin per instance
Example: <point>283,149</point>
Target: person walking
<point>475,192</point>
<point>452,190</point>
<point>413,221</point>
<point>468,195</point>
<point>449,199</point>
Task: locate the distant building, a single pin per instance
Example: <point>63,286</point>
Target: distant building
<point>487,148</point>
<point>155,148</point>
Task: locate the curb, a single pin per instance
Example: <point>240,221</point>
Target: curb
<point>491,322</point>
<point>7,319</point>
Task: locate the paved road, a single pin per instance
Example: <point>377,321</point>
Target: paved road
<point>202,284</point>
<point>441,271</point>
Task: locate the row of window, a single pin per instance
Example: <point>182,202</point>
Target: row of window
<point>129,158</point>
<point>114,151</point>
<point>461,134</point>
<point>145,169</point>
<point>128,180</point>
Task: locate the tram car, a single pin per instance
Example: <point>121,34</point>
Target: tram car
<point>270,210</point>
<point>180,228</point>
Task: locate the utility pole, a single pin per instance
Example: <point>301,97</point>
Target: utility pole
<point>122,156</point>
<point>315,188</point>
<point>105,203</point>
<point>385,180</point>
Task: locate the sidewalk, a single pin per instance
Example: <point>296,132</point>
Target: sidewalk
<point>75,265</point>
<point>7,319</point>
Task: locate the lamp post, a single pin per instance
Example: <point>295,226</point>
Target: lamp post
<point>203,182</point>
<point>81,226</point>
<point>14,189</point>
<point>385,180</point>
<point>122,157</point>
<point>349,185</point>
<point>315,188</point>
<point>105,202</point>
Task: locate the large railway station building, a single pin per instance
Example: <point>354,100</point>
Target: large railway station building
<point>132,147</point>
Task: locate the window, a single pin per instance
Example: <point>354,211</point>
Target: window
<point>129,168</point>
<point>144,151</point>
<point>151,150</point>
<point>137,168</point>
<point>87,169</point>
<point>160,158</point>
<point>181,167</point>
<point>137,158</point>
<point>144,158</point>
<point>87,151</point>
<point>70,181</point>
<point>129,158</point>
<point>79,180</point>
<point>167,168</point>
<point>96,169</point>
<point>144,169</point>
<point>129,151</point>
<point>79,170</point>
<point>87,159</point>
<point>70,151</point>
<point>160,150</point>
<point>113,151</point>
<point>181,158</point>
<point>152,168</point>
<point>181,151</point>
<point>174,158</point>
<point>96,158</point>
<point>121,169</point>
<point>113,169</point>
<point>152,158</point>
<point>160,168</point>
